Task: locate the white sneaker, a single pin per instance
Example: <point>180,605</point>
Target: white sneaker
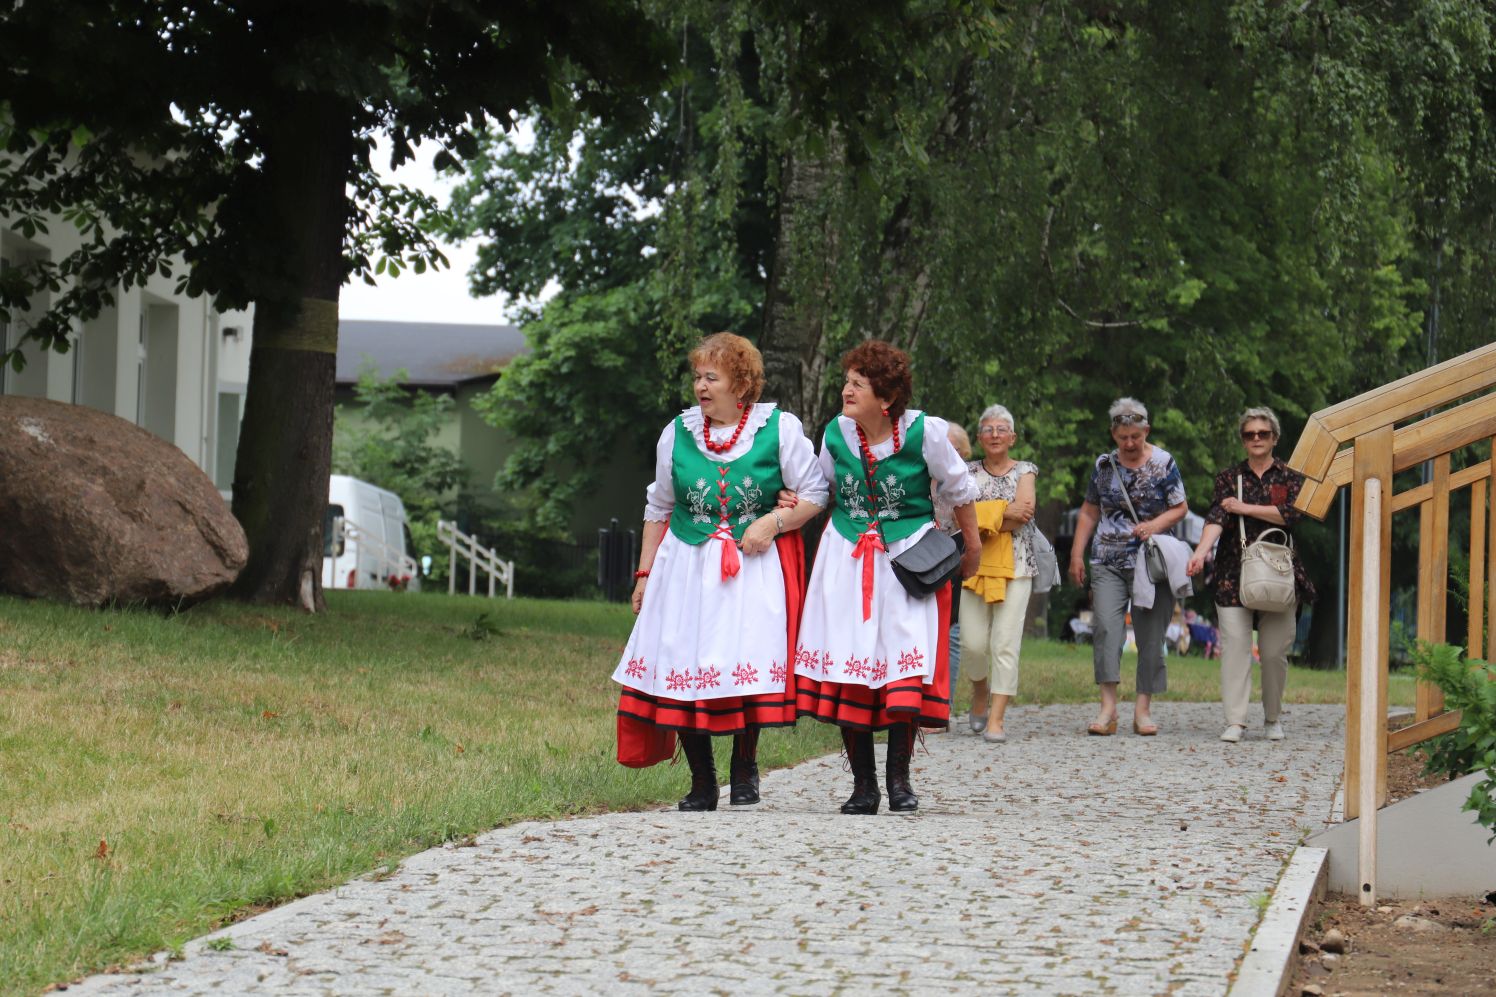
<point>1233,733</point>
<point>1275,731</point>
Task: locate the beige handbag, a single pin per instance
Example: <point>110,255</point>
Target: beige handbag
<point>1266,583</point>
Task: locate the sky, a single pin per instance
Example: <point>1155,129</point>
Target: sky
<point>436,295</point>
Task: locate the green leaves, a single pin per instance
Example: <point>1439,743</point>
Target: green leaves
<point>1470,687</point>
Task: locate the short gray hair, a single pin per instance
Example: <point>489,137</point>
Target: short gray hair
<point>1264,413</point>
<point>997,413</point>
<point>1128,410</point>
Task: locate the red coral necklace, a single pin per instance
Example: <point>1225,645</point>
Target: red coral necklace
<point>867,451</point>
<point>706,432</point>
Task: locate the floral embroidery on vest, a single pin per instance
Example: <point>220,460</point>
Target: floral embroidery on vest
<point>752,496</point>
<point>852,498</point>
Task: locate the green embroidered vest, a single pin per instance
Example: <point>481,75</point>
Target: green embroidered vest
<point>904,503</point>
<point>752,483</point>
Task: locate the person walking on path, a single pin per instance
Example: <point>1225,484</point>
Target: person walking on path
<point>872,656</point>
<point>993,634</point>
<point>1258,493</point>
<point>710,651</point>
<point>1122,521</point>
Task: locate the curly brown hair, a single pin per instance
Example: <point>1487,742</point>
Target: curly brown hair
<point>886,368</point>
<point>734,356</point>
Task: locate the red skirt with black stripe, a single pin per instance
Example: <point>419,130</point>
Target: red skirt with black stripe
<point>899,702</point>
<point>735,714</point>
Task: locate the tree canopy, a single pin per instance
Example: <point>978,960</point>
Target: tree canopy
<point>236,135</point>
<point>1050,204</point>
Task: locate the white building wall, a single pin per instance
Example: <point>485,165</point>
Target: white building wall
<point>191,362</point>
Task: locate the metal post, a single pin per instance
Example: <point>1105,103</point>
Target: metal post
<point>1370,663</point>
<point>452,561</point>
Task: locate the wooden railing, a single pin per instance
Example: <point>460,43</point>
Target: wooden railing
<point>1379,448</point>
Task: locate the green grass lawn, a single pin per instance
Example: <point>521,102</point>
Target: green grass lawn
<point>160,774</point>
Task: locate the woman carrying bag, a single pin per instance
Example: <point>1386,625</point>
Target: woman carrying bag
<point>1252,511</point>
<point>873,651</point>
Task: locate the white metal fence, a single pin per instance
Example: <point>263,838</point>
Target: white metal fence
<point>480,558</point>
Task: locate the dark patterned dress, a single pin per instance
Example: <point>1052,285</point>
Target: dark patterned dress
<point>1278,487</point>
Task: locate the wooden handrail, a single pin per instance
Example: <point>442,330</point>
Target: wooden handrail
<point>1380,448</point>
<point>1388,405</point>
<point>1426,439</point>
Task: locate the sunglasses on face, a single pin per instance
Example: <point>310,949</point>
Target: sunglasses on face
<point>1256,434</point>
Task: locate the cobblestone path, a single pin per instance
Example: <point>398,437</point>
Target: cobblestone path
<point>1053,864</point>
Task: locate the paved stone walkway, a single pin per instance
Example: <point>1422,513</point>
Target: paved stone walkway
<point>1054,864</point>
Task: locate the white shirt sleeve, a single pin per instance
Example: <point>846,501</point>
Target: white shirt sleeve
<point>659,497</point>
<point>952,483</point>
<point>802,472</point>
<point>824,464</point>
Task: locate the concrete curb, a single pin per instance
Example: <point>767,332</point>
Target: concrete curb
<point>1268,967</point>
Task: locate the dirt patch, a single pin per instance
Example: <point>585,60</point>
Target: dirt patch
<point>1405,776</point>
<point>1445,946</point>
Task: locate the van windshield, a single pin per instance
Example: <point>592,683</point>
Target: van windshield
<point>333,512</point>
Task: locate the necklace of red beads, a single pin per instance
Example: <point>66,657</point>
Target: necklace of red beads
<point>867,451</point>
<point>706,432</point>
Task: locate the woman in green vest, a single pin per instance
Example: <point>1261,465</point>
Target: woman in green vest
<point>721,571</point>
<point>871,656</point>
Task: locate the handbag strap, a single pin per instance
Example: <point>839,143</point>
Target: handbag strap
<point>872,490</point>
<point>1117,470</point>
<point>1241,522</point>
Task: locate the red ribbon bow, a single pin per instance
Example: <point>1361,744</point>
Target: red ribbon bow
<point>866,544</point>
<point>730,562</point>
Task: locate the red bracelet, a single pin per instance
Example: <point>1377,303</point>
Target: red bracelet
<point>644,573</point>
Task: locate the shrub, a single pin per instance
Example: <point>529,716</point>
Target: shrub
<point>1470,687</point>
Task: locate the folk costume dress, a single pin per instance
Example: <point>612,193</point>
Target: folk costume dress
<point>871,656</point>
<point>711,649</point>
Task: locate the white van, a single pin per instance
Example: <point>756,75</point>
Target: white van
<point>365,538</point>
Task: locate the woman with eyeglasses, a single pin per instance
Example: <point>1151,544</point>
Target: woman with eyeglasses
<point>872,656</point>
<point>1156,493</point>
<point>1267,489</point>
<point>993,633</point>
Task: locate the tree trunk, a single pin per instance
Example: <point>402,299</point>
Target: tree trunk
<point>802,277</point>
<point>285,443</point>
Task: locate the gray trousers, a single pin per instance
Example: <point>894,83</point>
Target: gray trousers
<point>1275,633</point>
<point>1111,592</point>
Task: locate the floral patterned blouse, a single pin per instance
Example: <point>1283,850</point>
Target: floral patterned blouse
<point>1278,487</point>
<point>1005,486</point>
<point>1153,488</point>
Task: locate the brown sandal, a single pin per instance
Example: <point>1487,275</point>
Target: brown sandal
<point>1095,729</point>
<point>1150,730</point>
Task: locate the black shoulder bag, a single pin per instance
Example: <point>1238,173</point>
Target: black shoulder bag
<point>934,559</point>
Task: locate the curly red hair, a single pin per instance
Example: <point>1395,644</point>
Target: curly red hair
<point>886,368</point>
<point>734,356</point>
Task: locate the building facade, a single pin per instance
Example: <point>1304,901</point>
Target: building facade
<point>171,364</point>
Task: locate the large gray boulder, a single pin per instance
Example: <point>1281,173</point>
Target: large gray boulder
<point>95,510</point>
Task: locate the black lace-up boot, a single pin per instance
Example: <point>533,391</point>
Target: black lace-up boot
<point>900,748</point>
<point>865,798</point>
<point>703,794</point>
<point>743,772</point>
